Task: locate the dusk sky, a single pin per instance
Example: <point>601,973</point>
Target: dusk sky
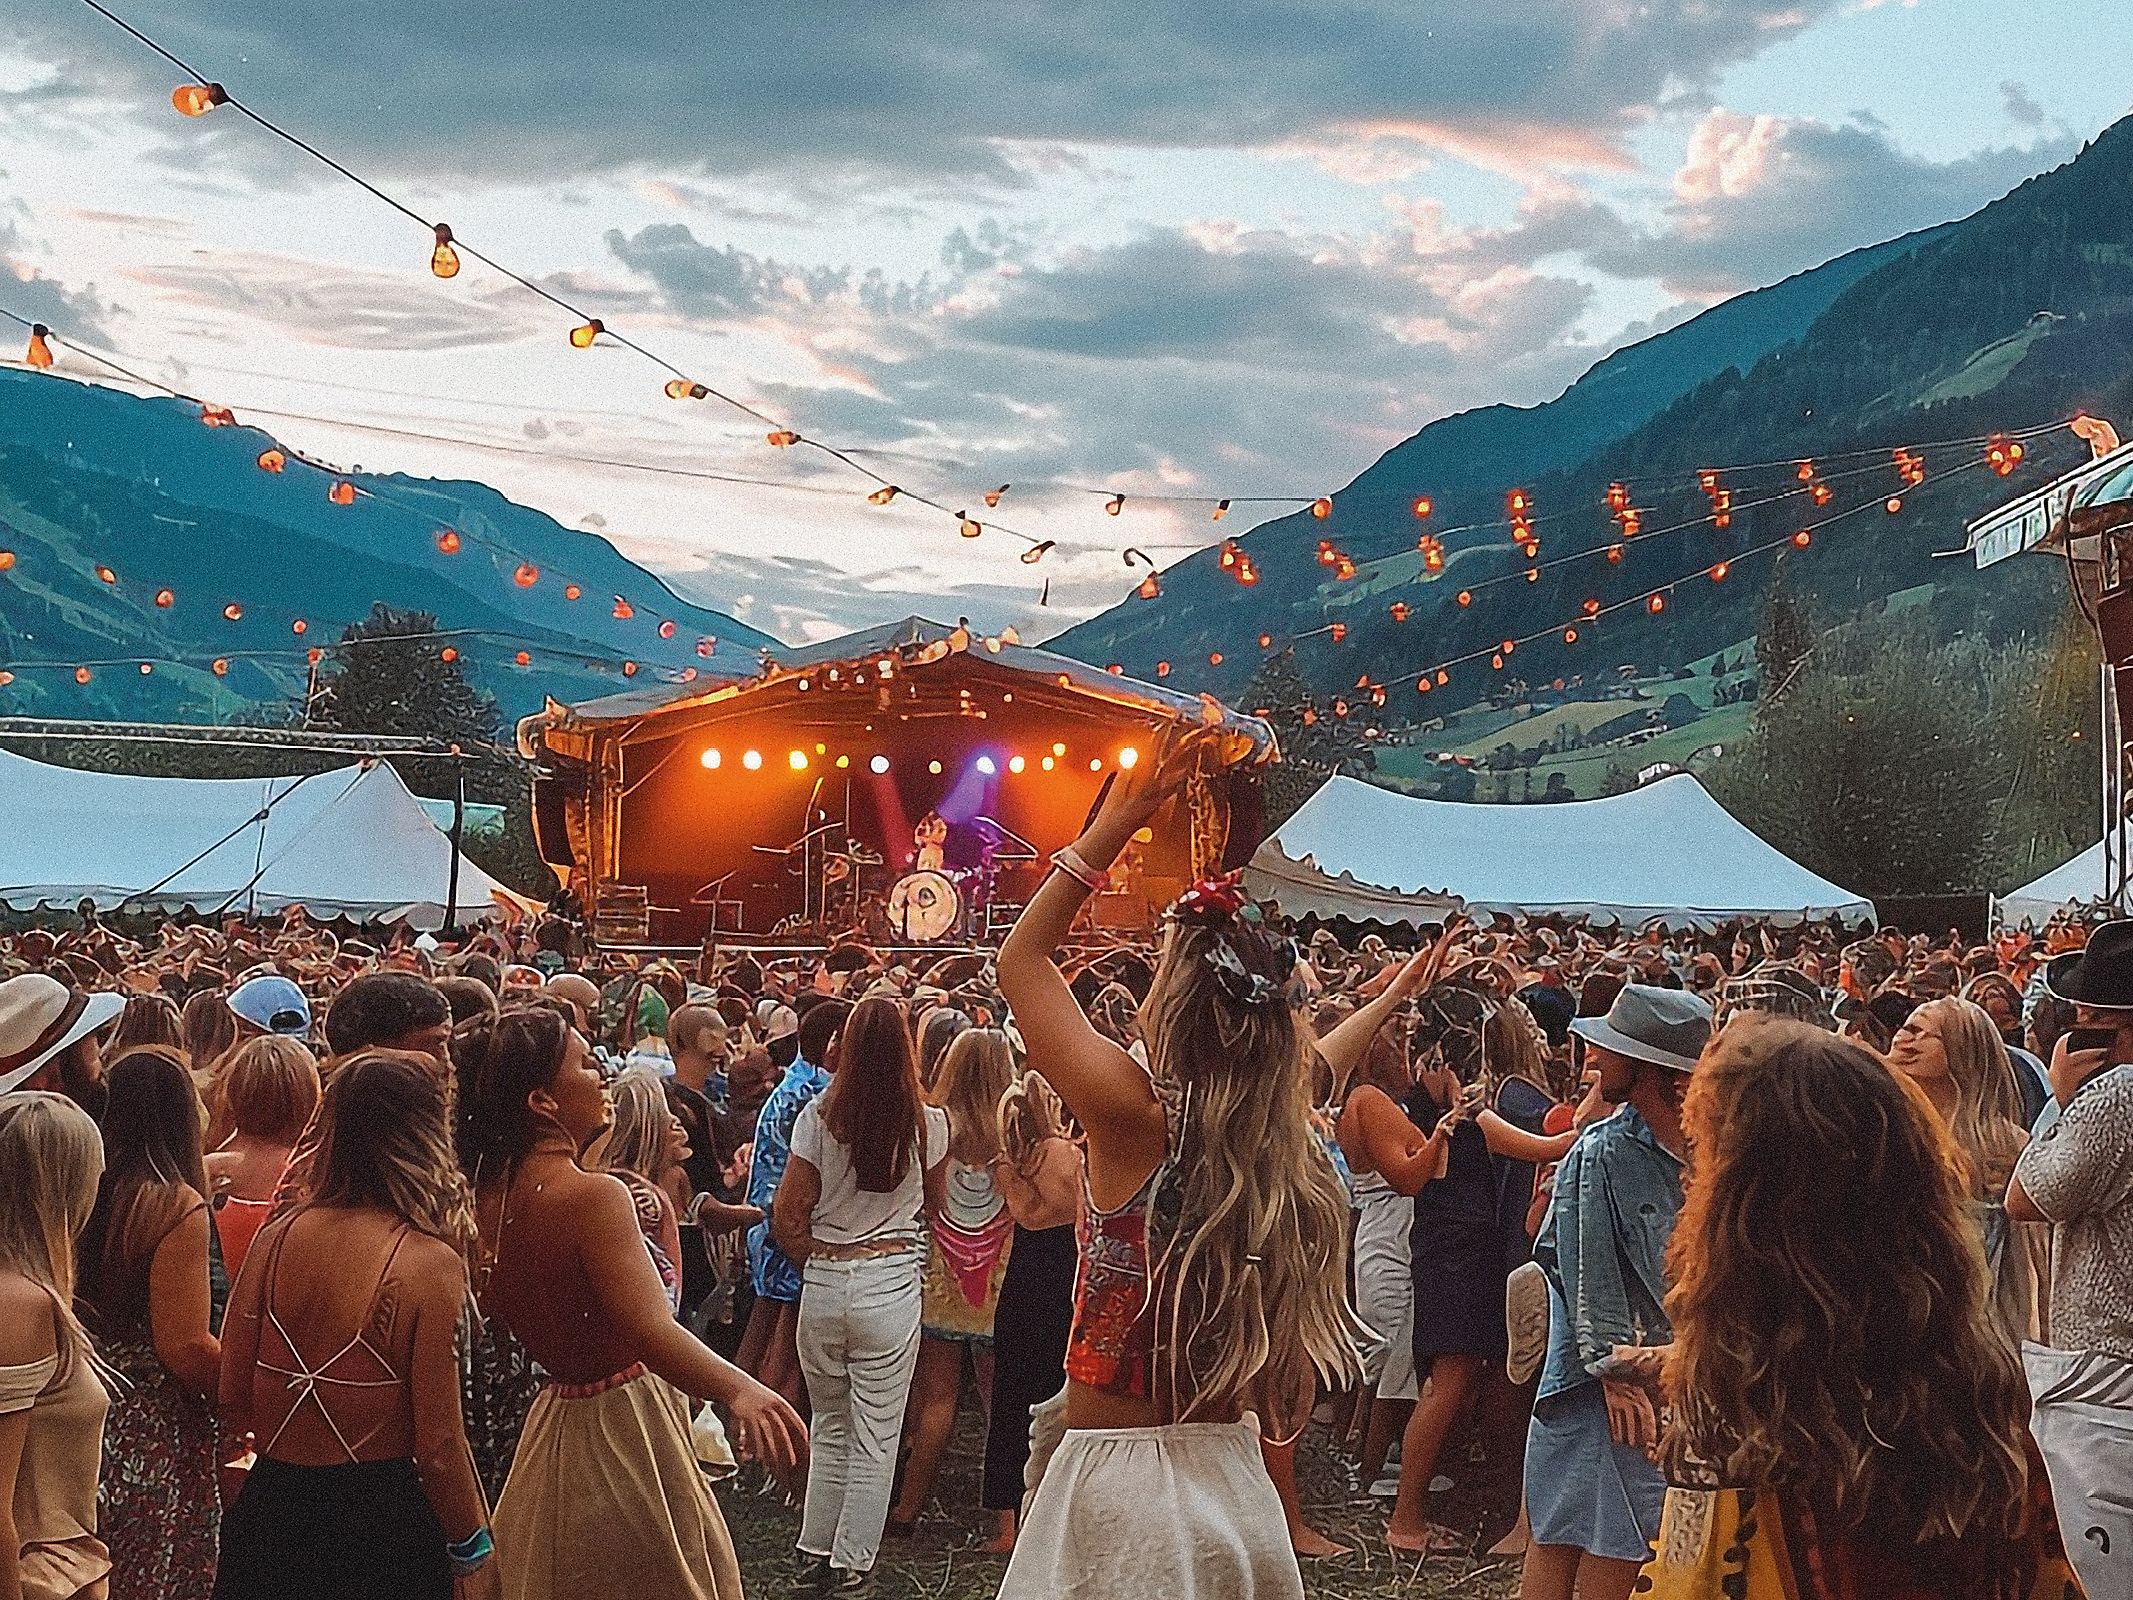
<point>1218,250</point>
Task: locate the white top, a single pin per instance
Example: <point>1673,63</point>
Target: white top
<point>848,1214</point>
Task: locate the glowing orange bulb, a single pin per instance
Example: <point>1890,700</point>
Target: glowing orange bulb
<point>448,541</point>
<point>146,669</point>
<point>81,674</point>
<point>992,496</point>
<point>39,354</point>
<point>683,389</point>
<point>1214,658</point>
<point>1221,511</point>
<point>448,654</point>
<point>197,99</point>
<point>1570,636</point>
<point>272,461</point>
<point>1401,611</point>
<point>707,647</point>
<point>7,559</point>
<point>582,336</point>
<point>343,493</point>
<point>1266,641</point>
<point>1151,588</point>
<point>1466,597</point>
<point>1592,608</point>
<point>165,599</point>
<point>6,678</point>
<point>1803,539</point>
<point>526,575</point>
<point>1533,574</point>
<point>217,417</point>
<point>1821,494</point>
<point>572,592</point>
<point>1719,570</point>
<point>1114,505</point>
<point>1614,554</point>
<point>1893,504</point>
<point>220,667</point>
<point>1322,508</point>
<point>1128,759</point>
<point>444,260</point>
<point>623,609</point>
<point>1422,685</point>
<point>314,656</point>
<point>1707,480</point>
<point>1162,669</point>
<point>782,438</point>
<point>1519,502</point>
<point>106,575</point>
<point>1508,646</point>
<point>1496,661</point>
<point>629,669</point>
<point>1443,677</point>
<point>1806,473</point>
<point>967,528</point>
<point>524,658</point>
<point>1656,604</point>
<point>1424,505</point>
<point>883,495</point>
<point>1247,574</point>
<point>1338,631</point>
<point>299,627</point>
<point>666,629</point>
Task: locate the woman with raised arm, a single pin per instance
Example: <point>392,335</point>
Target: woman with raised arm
<point>604,1495</point>
<point>1212,1285</point>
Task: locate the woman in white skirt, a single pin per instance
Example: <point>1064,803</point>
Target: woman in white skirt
<point>1211,1291</point>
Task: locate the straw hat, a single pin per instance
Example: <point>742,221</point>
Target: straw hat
<point>39,1017</point>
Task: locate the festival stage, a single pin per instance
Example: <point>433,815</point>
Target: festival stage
<point>905,785</point>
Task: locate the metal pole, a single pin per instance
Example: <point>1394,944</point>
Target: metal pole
<point>459,829</point>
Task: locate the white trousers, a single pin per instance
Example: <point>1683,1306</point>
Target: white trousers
<point>1385,1288</point>
<point>2083,1424</point>
<point>858,1340</point>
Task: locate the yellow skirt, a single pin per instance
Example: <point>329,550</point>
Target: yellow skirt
<point>605,1499</point>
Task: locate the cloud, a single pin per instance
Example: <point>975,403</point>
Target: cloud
<point>30,292</point>
<point>1758,198</point>
<point>928,88</point>
<point>2022,108</point>
<point>337,306</point>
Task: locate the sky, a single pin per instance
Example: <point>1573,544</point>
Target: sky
<point>1155,248</point>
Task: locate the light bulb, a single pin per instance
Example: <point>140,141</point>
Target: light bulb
<point>878,765</point>
<point>710,759</point>
<point>233,611</point>
<point>1221,511</point>
<point>1035,553</point>
<point>572,592</point>
<point>1719,569</point>
<point>1114,505</point>
<point>1424,505</point>
<point>752,760</point>
<point>165,599</point>
<point>81,674</point>
<point>220,667</point>
<point>444,260</point>
<point>623,610</point>
<point>1058,749</point>
<point>1656,604</point>
<point>526,575</point>
<point>985,765</point>
<point>39,354</point>
<point>272,461</point>
<point>106,575</point>
<point>629,669</point>
<point>967,528</point>
<point>1128,759</point>
<point>343,493</point>
<point>934,767</point>
<point>197,99</point>
<point>797,760</point>
<point>524,658</point>
<point>883,495</point>
<point>666,628</point>
<point>1016,763</point>
<point>992,496</point>
<point>299,627</point>
<point>448,654</point>
<point>448,541</point>
<point>584,333</point>
<point>1151,588</point>
<point>1322,507</point>
<point>683,389</point>
<point>1162,669</point>
<point>1049,762</point>
<point>782,438</point>
<point>217,417</point>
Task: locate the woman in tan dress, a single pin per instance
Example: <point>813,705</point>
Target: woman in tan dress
<point>604,1496</point>
<point>51,1403</point>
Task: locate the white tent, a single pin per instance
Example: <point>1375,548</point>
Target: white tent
<point>2078,882</point>
<point>351,842</point>
<point>1665,853</point>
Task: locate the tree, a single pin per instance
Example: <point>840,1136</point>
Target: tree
<point>1786,637</point>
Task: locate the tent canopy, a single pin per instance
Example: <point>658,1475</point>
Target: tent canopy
<point>352,842</point>
<point>2078,882</point>
<point>1666,853</point>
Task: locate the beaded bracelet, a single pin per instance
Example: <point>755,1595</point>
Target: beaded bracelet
<point>1068,860</point>
<point>467,1556</point>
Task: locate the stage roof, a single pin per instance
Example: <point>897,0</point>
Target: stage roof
<point>912,642</point>
<point>1665,853</point>
<point>350,842</point>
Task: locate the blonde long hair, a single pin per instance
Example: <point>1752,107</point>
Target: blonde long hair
<point>975,1070</point>
<point>385,1144</point>
<point>1250,1294</point>
<point>1030,1114</point>
<point>636,1139</point>
<point>1833,1339</point>
<point>1987,1126</point>
<point>51,1161</point>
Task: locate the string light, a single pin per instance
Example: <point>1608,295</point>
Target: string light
<point>1150,588</point>
<point>883,495</point>
<point>1114,505</point>
<point>1719,569</point>
<point>272,461</point>
<point>1036,552</point>
<point>444,260</point>
<point>781,438</point>
<point>39,353</point>
<point>583,335</point>
<point>217,417</point>
<point>1221,511</point>
<point>197,99</point>
<point>1423,505</point>
<point>526,575</point>
<point>343,493</point>
<point>969,529</point>
<point>993,496</point>
<point>165,599</point>
<point>685,389</point>
<point>1322,507</point>
<point>448,541</point>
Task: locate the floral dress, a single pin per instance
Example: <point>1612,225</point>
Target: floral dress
<point>156,1498</point>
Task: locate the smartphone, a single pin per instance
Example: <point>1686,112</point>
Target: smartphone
<point>2089,1039</point>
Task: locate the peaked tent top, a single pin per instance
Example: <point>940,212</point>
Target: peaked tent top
<point>349,842</point>
<point>1665,853</point>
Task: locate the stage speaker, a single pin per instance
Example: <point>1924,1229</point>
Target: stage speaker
<point>2114,624</point>
<point>551,822</point>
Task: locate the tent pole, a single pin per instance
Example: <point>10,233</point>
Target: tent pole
<point>459,828</point>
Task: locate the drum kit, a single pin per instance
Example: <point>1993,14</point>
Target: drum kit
<point>936,902</point>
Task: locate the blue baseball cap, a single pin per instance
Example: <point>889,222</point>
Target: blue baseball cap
<point>272,1003</point>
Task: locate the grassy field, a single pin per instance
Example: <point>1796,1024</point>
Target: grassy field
<point>944,1560</point>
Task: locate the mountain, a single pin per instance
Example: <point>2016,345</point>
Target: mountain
<point>186,524</point>
<point>2016,317</point>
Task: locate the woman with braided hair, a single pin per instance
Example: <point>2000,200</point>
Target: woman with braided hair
<point>1210,1300</point>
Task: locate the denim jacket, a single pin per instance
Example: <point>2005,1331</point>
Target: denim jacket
<point>1603,1247</point>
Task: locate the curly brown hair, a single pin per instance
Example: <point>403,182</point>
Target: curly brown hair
<point>1832,1334</point>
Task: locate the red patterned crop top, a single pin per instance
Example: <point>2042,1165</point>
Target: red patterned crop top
<point>1111,1346</point>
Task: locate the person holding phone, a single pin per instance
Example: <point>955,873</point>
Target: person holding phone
<point>2077,1175</point>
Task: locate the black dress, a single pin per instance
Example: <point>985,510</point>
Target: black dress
<point>1458,1248</point>
<point>1029,1343</point>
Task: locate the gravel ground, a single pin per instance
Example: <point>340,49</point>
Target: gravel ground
<point>944,1561</point>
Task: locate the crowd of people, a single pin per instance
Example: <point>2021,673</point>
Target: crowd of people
<point>1753,1261</point>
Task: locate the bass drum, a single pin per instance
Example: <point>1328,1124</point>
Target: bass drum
<point>923,907</point>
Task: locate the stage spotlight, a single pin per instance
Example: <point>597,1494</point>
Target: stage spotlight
<point>1096,763</point>
<point>843,762</point>
<point>878,765</point>
<point>1058,749</point>
<point>934,767</point>
<point>797,760</point>
<point>987,766</point>
<point>1050,762</point>
<point>752,760</point>
<point>710,759</point>
<point>1128,759</point>
<point>1016,763</point>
